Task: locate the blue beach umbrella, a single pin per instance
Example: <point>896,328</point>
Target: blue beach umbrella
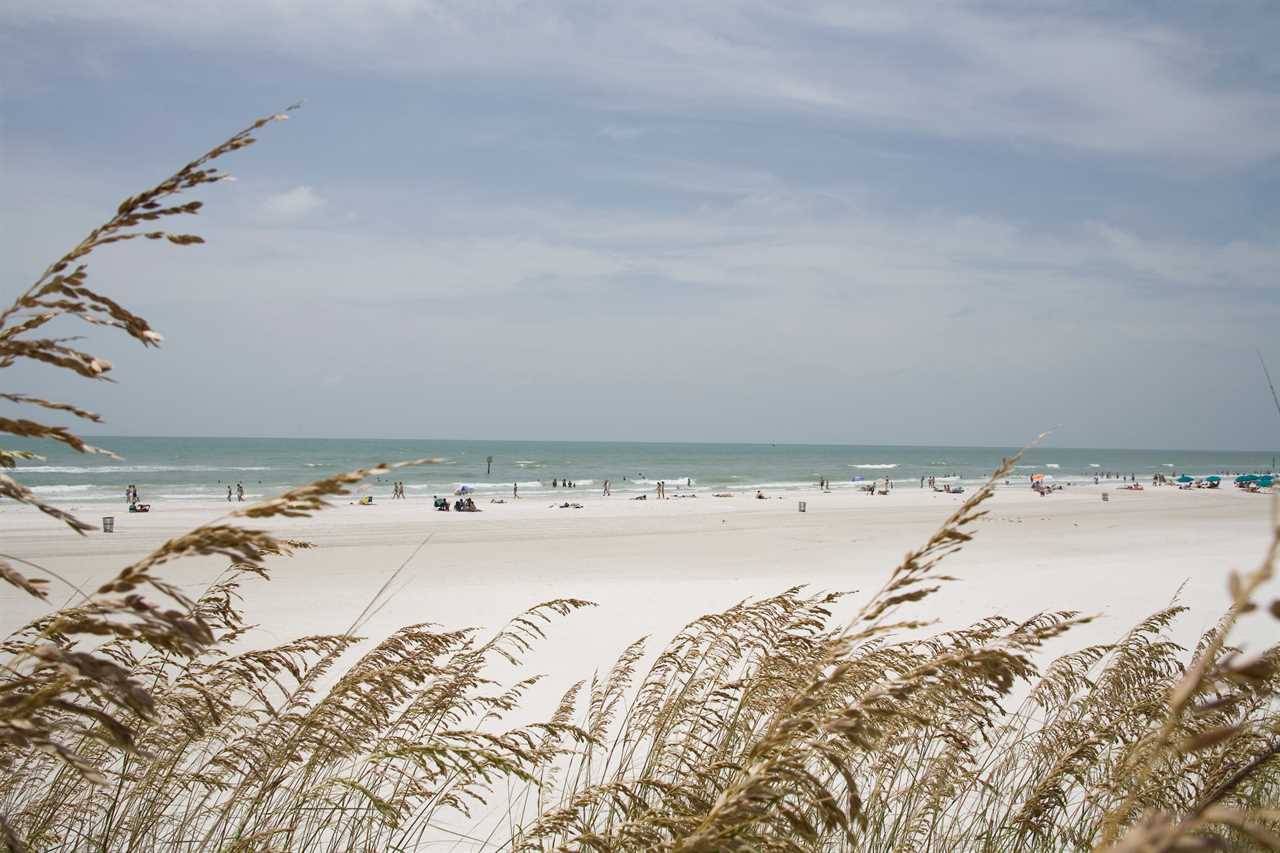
<point>1183,479</point>
<point>1213,478</point>
<point>1265,482</point>
<point>1246,478</point>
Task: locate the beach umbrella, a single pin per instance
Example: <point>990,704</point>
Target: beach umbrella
<point>1183,479</point>
<point>463,489</point>
<point>1265,482</point>
<point>1246,478</point>
<point>1213,478</point>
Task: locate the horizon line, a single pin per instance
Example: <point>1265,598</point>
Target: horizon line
<point>1012,446</point>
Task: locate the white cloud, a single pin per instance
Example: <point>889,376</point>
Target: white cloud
<point>1043,72</point>
<point>292,205</point>
<point>769,242</point>
<point>620,133</point>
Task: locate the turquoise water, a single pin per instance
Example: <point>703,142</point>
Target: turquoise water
<point>199,469</point>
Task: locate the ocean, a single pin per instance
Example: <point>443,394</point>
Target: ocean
<point>200,469</point>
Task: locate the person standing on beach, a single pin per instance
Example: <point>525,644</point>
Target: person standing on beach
<point>515,490</point>
<point>239,492</point>
<point>606,488</point>
<point>228,493</point>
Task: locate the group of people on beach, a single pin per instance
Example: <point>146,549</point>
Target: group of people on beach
<point>239,493</point>
<point>948,487</point>
<point>397,491</point>
<point>460,505</point>
<point>135,503</point>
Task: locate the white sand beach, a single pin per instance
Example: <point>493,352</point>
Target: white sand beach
<point>651,566</point>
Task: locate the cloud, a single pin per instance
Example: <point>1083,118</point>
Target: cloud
<point>1054,74</point>
<point>620,133</point>
<point>768,242</point>
<point>291,205</point>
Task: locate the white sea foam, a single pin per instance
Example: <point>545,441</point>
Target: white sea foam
<point>1052,465</point>
<point>781,486</point>
<point>77,488</point>
<point>1094,465</point>
<point>1169,465</point>
<point>877,465</point>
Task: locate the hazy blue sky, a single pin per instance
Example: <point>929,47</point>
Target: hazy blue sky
<point>807,222</point>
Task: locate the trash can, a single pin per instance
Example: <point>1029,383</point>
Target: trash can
<point>108,524</point>
<point>803,504</point>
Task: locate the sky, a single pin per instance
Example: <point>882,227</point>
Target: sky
<point>856,223</point>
